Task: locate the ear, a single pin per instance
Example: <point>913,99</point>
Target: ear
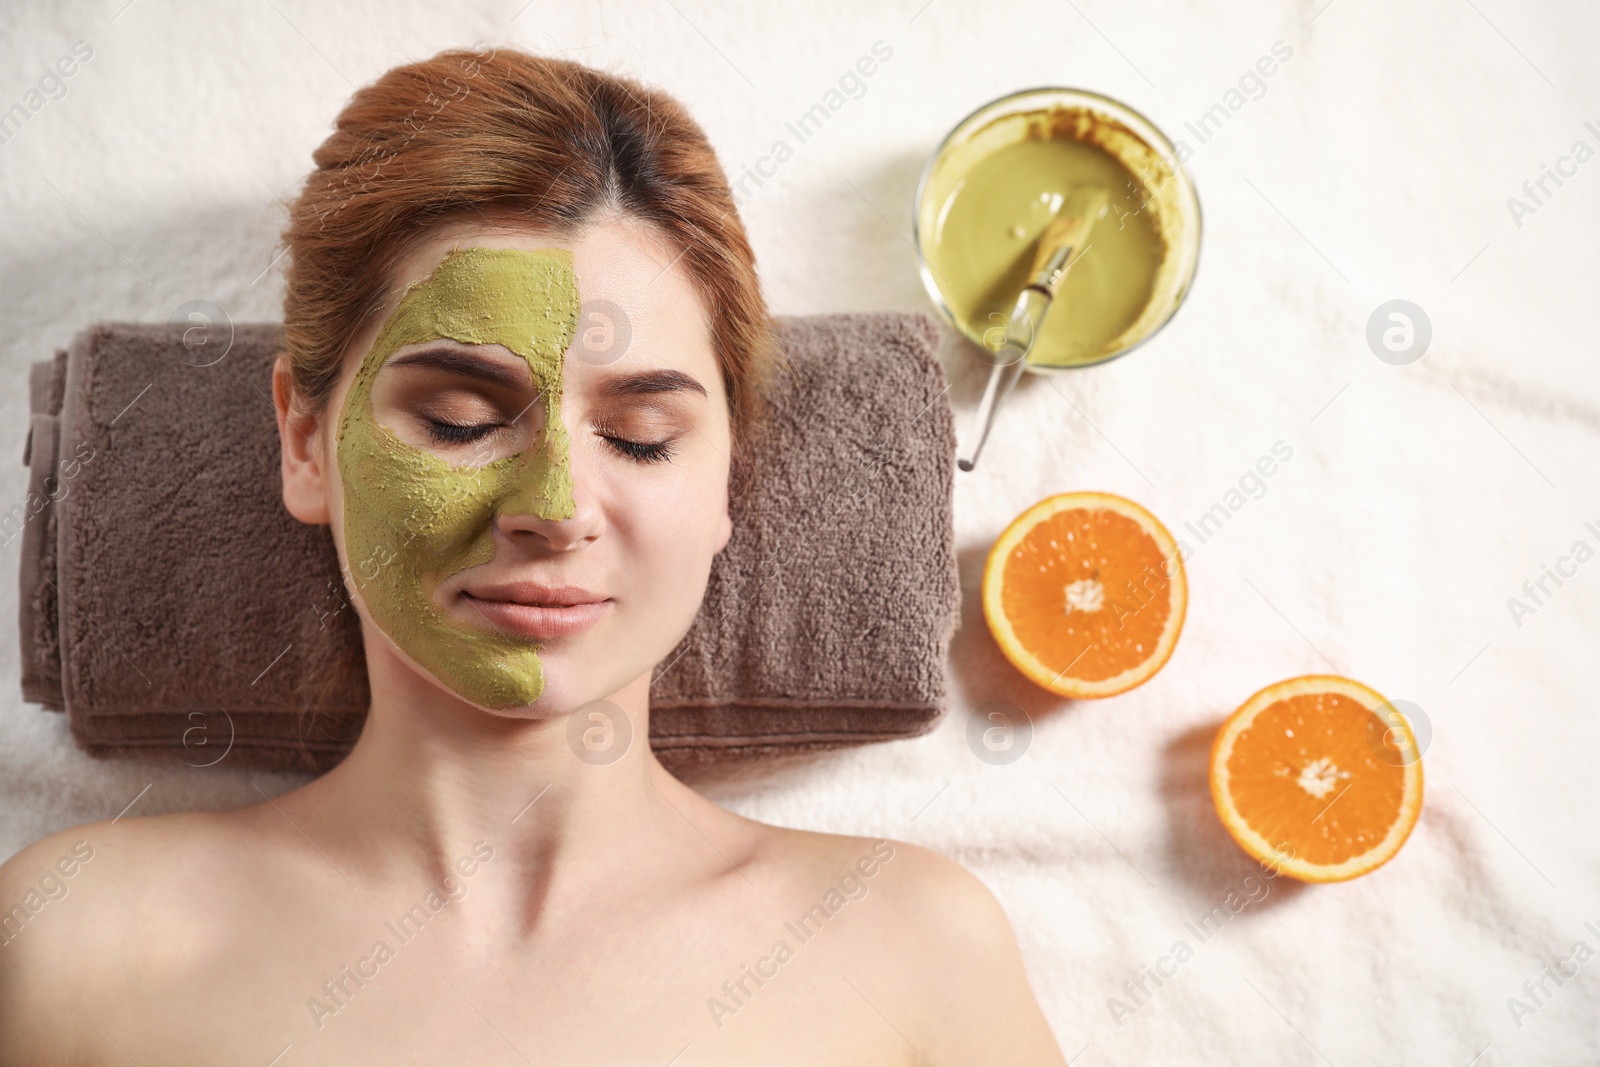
<point>305,483</point>
<point>724,531</point>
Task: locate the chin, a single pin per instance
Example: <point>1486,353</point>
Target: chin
<point>572,679</point>
<point>543,708</point>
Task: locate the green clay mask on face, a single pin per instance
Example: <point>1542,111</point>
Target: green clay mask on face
<point>411,520</point>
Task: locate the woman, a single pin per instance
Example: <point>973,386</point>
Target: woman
<point>525,344</point>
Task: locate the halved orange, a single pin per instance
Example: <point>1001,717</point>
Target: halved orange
<point>1085,594</point>
<point>1319,777</point>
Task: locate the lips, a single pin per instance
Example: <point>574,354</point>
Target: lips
<point>528,609</point>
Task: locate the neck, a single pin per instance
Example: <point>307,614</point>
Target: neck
<point>432,777</point>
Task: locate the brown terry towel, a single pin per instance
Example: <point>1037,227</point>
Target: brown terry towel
<point>173,607</point>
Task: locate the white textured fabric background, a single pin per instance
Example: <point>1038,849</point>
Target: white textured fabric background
<point>1376,164</point>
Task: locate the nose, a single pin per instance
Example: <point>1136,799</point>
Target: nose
<point>550,499</point>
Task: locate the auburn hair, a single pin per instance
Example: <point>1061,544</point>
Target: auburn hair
<point>546,141</point>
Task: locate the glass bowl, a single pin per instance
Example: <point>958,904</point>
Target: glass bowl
<point>1156,173</point>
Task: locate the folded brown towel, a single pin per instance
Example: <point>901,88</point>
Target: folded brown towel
<point>164,583</point>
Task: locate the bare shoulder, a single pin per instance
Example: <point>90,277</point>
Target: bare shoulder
<point>91,906</point>
<point>109,871</point>
<point>932,948</point>
<point>921,893</point>
<point>36,886</point>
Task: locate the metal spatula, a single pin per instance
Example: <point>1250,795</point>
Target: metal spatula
<point>1060,245</point>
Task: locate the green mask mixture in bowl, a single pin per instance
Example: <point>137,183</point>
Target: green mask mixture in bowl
<point>997,180</point>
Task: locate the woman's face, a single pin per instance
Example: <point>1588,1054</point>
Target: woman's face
<point>530,465</point>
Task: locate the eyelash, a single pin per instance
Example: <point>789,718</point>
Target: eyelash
<point>449,433</point>
<point>642,451</point>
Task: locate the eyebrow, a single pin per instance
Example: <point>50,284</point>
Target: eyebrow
<point>463,363</point>
<point>650,381</point>
<point>468,365</point>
